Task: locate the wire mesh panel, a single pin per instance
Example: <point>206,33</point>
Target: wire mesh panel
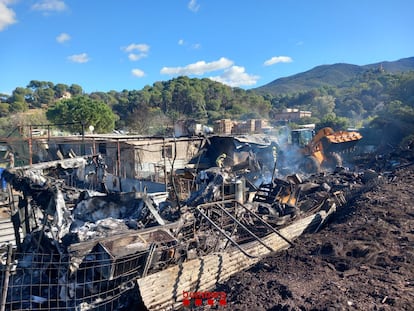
<point>39,281</point>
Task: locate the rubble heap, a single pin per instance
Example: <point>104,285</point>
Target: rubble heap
<point>84,250</point>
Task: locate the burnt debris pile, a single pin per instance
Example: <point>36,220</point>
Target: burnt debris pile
<point>78,249</point>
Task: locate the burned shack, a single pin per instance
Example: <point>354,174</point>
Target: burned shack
<point>128,156</point>
<point>145,157</point>
<point>133,163</point>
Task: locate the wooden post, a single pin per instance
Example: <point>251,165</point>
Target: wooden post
<point>93,146</point>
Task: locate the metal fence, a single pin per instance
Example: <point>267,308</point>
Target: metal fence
<point>44,281</point>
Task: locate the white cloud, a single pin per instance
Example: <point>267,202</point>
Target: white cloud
<point>278,59</point>
<point>50,5</point>
<point>193,5</point>
<point>137,73</point>
<point>235,77</point>
<point>63,37</point>
<point>144,48</point>
<point>198,68</point>
<point>134,57</point>
<point>194,46</point>
<point>141,48</point>
<point>7,15</point>
<point>79,58</point>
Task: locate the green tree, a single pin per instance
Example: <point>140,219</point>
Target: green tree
<point>322,106</point>
<point>336,123</point>
<point>82,110</point>
<point>45,97</point>
<point>4,109</point>
<point>107,98</point>
<point>75,90</point>
<point>60,90</point>
<point>393,124</point>
<point>213,105</point>
<point>4,98</point>
<point>17,100</point>
<point>404,89</point>
<point>42,93</point>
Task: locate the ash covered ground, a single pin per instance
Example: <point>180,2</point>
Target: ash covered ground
<point>363,259</point>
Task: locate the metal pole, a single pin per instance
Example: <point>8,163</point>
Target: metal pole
<point>118,165</point>
<point>6,277</point>
<point>224,233</point>
<point>165,164</point>
<point>83,138</point>
<point>266,224</point>
<point>245,228</point>
<point>30,146</point>
<point>118,159</point>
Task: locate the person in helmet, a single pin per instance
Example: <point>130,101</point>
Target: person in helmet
<point>220,160</point>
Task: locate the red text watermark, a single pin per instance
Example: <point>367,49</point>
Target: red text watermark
<point>204,298</point>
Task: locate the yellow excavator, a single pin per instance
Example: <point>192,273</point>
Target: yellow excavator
<point>323,149</point>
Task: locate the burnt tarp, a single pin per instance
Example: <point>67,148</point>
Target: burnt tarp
<point>237,148</point>
<point>251,156</point>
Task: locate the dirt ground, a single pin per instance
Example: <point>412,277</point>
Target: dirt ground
<point>362,260</point>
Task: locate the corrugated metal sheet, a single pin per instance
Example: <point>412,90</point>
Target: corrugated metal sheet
<point>7,232</point>
<point>258,139</point>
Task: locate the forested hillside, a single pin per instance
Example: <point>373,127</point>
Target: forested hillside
<point>330,75</point>
<point>149,109</point>
<point>321,76</point>
<point>374,97</point>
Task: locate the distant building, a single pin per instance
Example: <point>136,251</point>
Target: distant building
<point>66,95</point>
<point>223,126</point>
<point>291,114</point>
<point>251,126</point>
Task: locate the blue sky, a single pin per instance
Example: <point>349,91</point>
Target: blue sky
<point>115,45</point>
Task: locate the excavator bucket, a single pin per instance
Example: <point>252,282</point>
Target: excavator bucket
<point>341,141</point>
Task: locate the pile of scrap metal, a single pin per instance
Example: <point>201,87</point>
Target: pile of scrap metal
<point>242,233</point>
<point>84,250</point>
<point>68,237</point>
<point>251,156</point>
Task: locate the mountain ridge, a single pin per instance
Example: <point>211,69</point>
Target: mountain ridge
<point>329,75</point>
